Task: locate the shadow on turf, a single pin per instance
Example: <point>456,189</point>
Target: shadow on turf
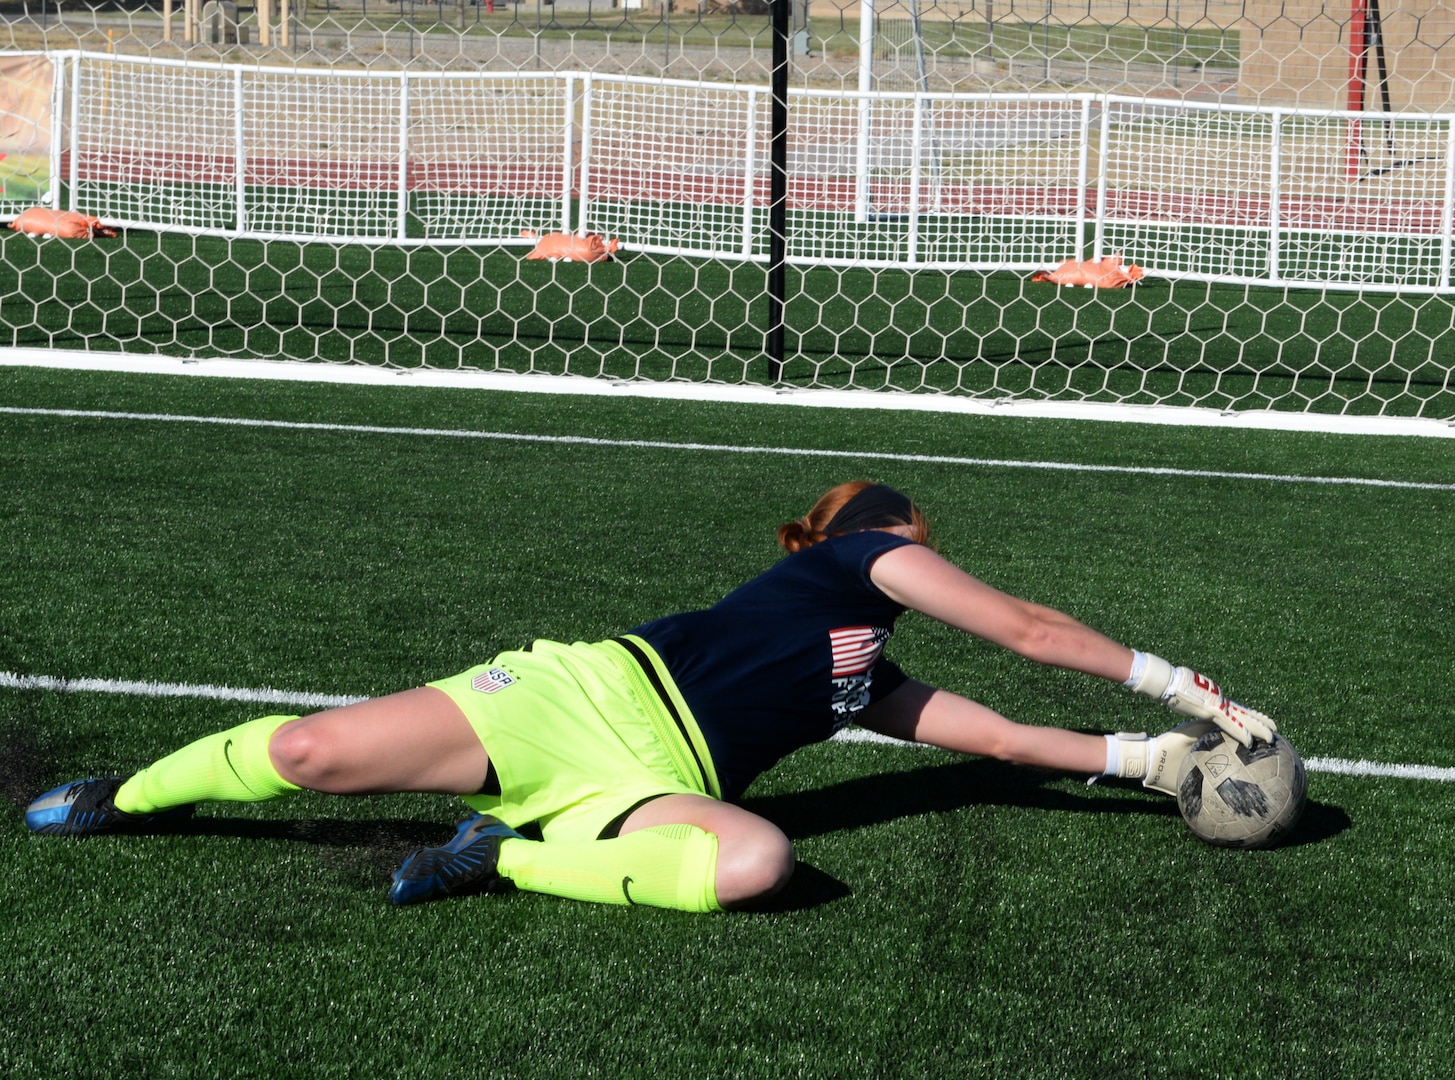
<point>364,851</point>
<point>24,762</point>
<point>810,887</point>
<point>884,797</point>
<point>1320,822</point>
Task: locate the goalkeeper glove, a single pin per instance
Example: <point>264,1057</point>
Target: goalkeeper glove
<point>1186,692</point>
<point>1155,761</point>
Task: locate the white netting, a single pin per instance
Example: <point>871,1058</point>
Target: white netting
<point>489,155</point>
<point>322,154</point>
<point>675,167</point>
<point>152,145</point>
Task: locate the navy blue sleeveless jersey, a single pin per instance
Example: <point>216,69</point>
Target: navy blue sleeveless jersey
<point>787,659</point>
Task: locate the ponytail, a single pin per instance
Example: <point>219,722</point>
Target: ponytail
<point>799,534</point>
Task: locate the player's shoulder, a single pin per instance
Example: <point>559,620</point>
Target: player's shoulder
<point>856,545</point>
<point>857,552</point>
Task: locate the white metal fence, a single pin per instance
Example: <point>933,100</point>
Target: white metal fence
<point>1193,190</point>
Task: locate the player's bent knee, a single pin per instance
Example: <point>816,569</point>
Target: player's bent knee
<point>754,868</point>
<point>776,867</point>
<point>303,756</point>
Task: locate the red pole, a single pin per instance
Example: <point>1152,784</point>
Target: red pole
<point>1358,65</point>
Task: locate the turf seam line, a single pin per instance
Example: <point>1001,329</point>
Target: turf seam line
<point>10,680</point>
<point>648,444</point>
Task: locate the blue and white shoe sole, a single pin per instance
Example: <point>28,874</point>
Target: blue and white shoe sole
<point>51,812</point>
<point>457,868</point>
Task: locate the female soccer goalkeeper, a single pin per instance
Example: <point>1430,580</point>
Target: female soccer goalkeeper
<point>629,755</point>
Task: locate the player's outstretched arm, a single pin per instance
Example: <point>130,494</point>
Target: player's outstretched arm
<point>917,712</point>
<point>920,713</point>
<point>922,580</point>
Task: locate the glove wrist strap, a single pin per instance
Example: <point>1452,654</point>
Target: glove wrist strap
<point>1127,754</point>
<point>1151,675</point>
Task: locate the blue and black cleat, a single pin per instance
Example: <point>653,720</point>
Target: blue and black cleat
<point>85,808</point>
<point>465,865</point>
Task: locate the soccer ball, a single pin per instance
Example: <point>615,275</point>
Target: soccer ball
<point>1242,797</point>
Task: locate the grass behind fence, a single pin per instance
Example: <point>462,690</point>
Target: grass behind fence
<point>950,917</point>
<point>660,317</point>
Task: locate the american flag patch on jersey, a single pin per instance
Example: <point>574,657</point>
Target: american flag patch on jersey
<point>490,681</point>
<point>856,648</point>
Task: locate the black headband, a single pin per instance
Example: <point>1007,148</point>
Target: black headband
<point>876,507</point>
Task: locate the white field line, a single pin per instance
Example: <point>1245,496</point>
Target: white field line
<point>9,680</point>
<point>1340,766</point>
<point>799,452</point>
<point>778,396</point>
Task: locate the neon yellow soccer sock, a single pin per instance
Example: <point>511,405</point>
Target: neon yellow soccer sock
<point>231,766</point>
<point>670,866</point>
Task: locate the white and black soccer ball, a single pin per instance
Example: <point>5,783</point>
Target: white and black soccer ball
<point>1241,796</point>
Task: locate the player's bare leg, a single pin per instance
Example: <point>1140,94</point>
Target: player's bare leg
<point>416,740</point>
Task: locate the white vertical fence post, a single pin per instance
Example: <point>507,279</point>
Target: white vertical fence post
<point>1083,178</point>
<point>402,180</point>
<point>1103,176</point>
<point>239,150</point>
<point>59,88</point>
<point>585,195</point>
<point>866,87</point>
<point>916,178</point>
<point>750,169</point>
<point>568,149</point>
<point>1275,199</point>
<point>1447,212</point>
<point>75,131</point>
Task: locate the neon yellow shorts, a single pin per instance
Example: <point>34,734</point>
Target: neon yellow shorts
<point>581,734</point>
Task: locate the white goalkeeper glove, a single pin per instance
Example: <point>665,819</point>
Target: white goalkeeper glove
<point>1155,761</point>
<point>1186,692</point>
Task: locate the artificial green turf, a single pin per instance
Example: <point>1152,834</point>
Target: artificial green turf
<point>656,317</point>
<point>950,917</point>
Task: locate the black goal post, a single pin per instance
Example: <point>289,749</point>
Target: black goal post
<point>782,14</point>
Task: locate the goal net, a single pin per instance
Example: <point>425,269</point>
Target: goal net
<point>328,206</point>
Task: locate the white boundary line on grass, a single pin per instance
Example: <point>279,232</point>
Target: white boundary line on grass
<point>9,680</point>
<point>1340,766</point>
<point>357,374</point>
<point>264,695</point>
<point>792,451</point>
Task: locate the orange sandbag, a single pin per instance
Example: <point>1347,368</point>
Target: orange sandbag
<point>64,223</point>
<point>588,247</point>
<point>1106,273</point>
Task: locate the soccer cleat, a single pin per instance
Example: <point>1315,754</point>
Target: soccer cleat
<point>465,865</point>
<point>85,808</point>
